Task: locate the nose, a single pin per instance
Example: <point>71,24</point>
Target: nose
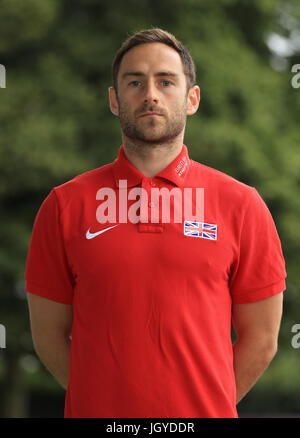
<point>151,93</point>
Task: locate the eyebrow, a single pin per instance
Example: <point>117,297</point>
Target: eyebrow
<point>139,73</point>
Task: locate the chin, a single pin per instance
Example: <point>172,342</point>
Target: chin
<point>156,140</point>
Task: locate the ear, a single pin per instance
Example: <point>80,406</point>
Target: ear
<point>113,101</point>
<point>193,100</point>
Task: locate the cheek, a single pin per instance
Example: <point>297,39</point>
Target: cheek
<point>178,105</point>
<point>131,102</point>
<point>127,110</point>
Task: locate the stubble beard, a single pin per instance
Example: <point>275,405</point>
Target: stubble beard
<point>142,135</point>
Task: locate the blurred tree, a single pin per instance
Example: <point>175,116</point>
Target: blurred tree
<point>55,123</point>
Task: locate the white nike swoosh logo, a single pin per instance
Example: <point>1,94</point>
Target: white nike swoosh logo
<point>90,235</point>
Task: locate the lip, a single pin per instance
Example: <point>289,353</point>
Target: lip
<point>150,115</point>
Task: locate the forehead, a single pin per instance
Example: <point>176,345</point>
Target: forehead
<point>151,57</point>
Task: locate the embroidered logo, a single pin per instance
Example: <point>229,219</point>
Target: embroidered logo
<point>200,229</point>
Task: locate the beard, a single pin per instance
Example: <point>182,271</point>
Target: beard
<point>152,131</point>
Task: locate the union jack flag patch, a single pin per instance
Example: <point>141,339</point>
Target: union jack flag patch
<point>200,229</point>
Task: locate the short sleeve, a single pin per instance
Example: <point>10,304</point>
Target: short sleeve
<point>47,272</point>
<point>259,271</point>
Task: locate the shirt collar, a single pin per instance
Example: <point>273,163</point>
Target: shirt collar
<point>175,172</point>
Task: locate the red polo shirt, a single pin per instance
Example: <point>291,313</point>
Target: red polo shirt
<point>151,334</point>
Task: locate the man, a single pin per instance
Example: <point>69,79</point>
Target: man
<point>133,317</point>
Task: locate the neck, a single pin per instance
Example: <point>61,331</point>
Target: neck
<point>149,158</point>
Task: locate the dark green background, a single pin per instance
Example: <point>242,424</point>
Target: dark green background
<point>55,122</point>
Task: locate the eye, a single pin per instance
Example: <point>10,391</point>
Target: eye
<point>134,83</point>
<point>166,83</point>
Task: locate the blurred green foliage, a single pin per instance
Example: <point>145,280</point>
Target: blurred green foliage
<point>55,122</point>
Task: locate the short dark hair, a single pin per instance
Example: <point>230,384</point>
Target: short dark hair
<point>155,35</point>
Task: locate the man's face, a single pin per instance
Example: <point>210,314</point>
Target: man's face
<point>152,94</point>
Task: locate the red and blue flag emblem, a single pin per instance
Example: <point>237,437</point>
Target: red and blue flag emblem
<point>200,229</point>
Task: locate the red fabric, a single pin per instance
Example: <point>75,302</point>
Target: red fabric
<point>151,334</point>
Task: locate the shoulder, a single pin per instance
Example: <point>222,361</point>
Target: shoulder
<point>80,185</point>
<point>219,183</point>
<point>232,197</point>
<point>100,174</point>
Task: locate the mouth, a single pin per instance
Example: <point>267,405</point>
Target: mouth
<point>150,115</point>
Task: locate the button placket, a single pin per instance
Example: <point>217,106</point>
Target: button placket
<point>153,206</point>
<point>147,205</point>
